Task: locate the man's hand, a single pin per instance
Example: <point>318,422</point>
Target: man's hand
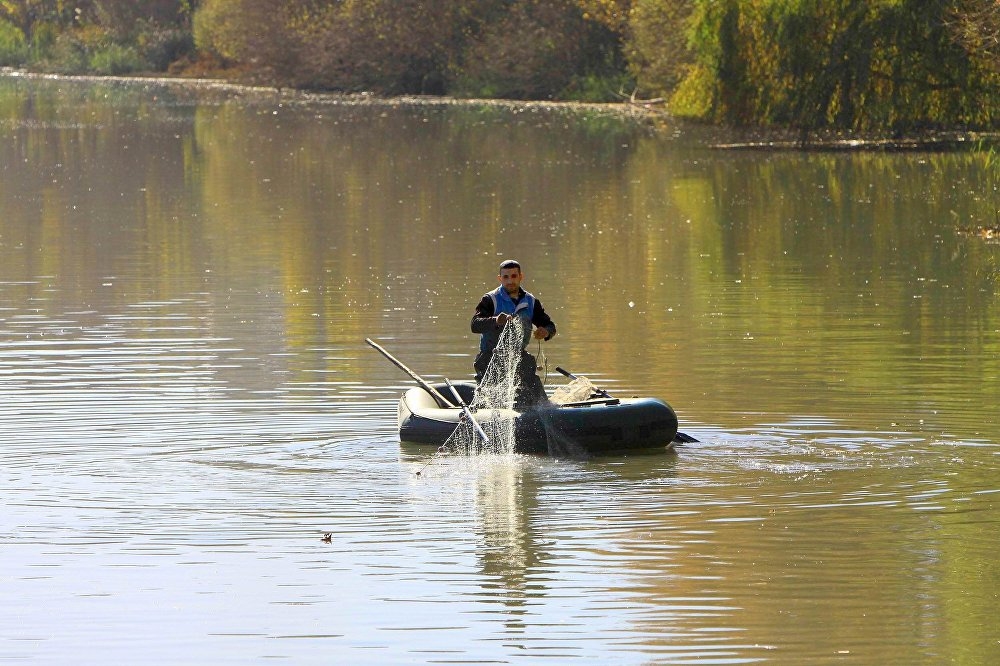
<point>502,319</point>
<point>540,333</point>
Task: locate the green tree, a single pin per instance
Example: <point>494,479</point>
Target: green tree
<point>257,34</point>
<point>509,48</point>
<point>892,65</point>
<point>26,15</point>
<point>656,44</point>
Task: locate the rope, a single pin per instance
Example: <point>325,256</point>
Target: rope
<point>541,362</point>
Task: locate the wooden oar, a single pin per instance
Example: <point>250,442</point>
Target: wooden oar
<point>438,398</point>
<point>467,412</point>
<point>678,437</point>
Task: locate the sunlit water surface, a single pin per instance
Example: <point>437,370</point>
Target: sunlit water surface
<point>199,457</point>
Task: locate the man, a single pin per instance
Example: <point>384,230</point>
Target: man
<point>494,310</point>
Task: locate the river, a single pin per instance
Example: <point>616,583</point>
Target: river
<point>199,454</point>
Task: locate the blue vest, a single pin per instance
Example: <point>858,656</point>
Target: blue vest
<point>502,302</point>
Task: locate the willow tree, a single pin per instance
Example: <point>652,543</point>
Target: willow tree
<point>893,65</point>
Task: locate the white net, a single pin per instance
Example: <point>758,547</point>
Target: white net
<point>578,390</point>
<point>493,405</point>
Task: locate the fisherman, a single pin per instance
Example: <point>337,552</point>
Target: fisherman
<point>493,312</point>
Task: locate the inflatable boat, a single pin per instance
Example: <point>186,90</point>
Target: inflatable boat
<point>596,426</point>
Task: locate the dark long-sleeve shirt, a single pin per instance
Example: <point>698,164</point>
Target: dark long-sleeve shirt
<point>483,320</point>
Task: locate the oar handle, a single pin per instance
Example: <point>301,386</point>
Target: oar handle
<point>438,398</point>
<point>467,412</point>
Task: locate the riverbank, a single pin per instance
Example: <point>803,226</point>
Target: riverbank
<point>638,110</point>
<point>651,114</point>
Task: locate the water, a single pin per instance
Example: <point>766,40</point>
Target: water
<point>199,458</point>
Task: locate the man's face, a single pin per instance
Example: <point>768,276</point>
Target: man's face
<point>511,278</point>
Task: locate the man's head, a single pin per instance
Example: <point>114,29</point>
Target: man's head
<point>511,276</point>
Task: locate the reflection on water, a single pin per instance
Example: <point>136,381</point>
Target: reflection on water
<point>187,406</point>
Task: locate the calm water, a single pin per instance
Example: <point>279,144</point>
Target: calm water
<point>187,405</point>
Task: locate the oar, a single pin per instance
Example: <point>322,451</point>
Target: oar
<point>438,398</point>
<point>467,412</point>
<point>678,437</point>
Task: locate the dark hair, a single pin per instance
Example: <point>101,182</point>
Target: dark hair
<point>509,263</point>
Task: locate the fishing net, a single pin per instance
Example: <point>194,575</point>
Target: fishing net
<point>578,390</point>
<point>493,406</point>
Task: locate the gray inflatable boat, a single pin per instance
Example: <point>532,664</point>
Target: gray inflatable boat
<point>597,426</point>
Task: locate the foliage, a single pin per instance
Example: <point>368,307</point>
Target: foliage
<point>228,28</point>
<point>26,15</point>
<point>160,46</point>
<point>509,48</point>
<point>853,64</point>
<point>216,29</point>
<point>127,17</point>
<point>613,14</point>
<point>158,31</point>
<point>115,59</point>
<point>656,45</point>
<point>390,46</point>
<point>537,50</point>
<point>102,36</point>
<point>976,25</point>
<point>13,49</point>
<point>866,65</point>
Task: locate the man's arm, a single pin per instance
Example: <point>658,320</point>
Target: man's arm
<point>483,319</point>
<point>543,321</point>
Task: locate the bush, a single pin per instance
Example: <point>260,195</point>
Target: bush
<point>255,33</point>
<point>534,51</point>
<point>388,46</point>
<point>91,50</point>
<point>13,50</point>
<point>67,55</point>
<point>219,30</point>
<point>115,59</point>
<point>160,46</point>
<point>599,88</point>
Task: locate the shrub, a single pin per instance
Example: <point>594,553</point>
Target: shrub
<point>389,46</point>
<point>160,46</point>
<point>67,55</point>
<point>533,51</point>
<point>13,49</point>
<point>611,87</point>
<point>115,59</point>
<point>250,32</point>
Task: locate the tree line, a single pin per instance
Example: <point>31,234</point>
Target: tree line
<point>865,65</point>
